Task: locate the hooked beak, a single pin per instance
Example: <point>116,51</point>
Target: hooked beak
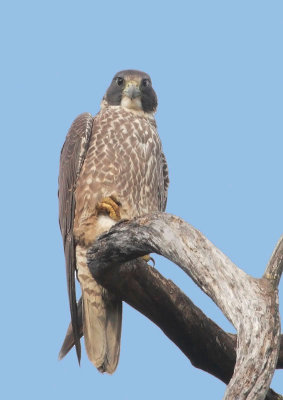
<point>132,90</point>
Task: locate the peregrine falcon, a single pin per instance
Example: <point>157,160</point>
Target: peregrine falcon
<point>112,166</point>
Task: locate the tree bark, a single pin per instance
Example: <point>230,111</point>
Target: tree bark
<point>251,304</point>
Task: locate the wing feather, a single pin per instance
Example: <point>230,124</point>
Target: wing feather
<point>165,173</point>
<point>72,158</point>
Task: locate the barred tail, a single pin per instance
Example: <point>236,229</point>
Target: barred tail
<point>102,319</point>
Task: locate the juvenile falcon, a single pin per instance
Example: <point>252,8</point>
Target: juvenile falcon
<point>112,166</point>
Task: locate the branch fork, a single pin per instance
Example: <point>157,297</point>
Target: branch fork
<point>250,304</point>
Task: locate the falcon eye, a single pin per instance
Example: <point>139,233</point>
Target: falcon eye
<point>119,81</point>
<point>145,82</point>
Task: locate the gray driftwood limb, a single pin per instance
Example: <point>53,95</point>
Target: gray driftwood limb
<point>250,304</point>
<point>205,344</point>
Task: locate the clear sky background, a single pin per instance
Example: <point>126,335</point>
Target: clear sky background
<point>217,69</point>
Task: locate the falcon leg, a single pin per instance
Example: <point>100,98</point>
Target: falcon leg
<point>111,206</point>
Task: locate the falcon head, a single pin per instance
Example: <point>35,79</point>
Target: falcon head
<point>132,89</point>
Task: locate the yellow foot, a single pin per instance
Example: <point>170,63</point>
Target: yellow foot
<point>147,258</point>
<point>111,206</point>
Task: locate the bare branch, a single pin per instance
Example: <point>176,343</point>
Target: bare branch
<point>206,345</point>
<point>274,268</point>
<point>250,304</point>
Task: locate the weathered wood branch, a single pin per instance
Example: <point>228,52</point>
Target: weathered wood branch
<point>205,344</point>
<point>250,304</point>
<point>274,268</point>
<point>200,339</point>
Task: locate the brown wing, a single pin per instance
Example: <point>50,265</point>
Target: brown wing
<point>69,338</point>
<point>165,182</point>
<point>72,158</point>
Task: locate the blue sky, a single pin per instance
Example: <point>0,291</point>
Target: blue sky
<point>217,69</point>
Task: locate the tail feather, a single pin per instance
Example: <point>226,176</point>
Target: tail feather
<point>113,334</point>
<point>102,319</point>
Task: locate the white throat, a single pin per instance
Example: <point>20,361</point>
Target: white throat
<point>134,104</point>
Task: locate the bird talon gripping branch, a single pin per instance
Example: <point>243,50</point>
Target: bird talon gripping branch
<point>148,258</point>
<point>111,206</point>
